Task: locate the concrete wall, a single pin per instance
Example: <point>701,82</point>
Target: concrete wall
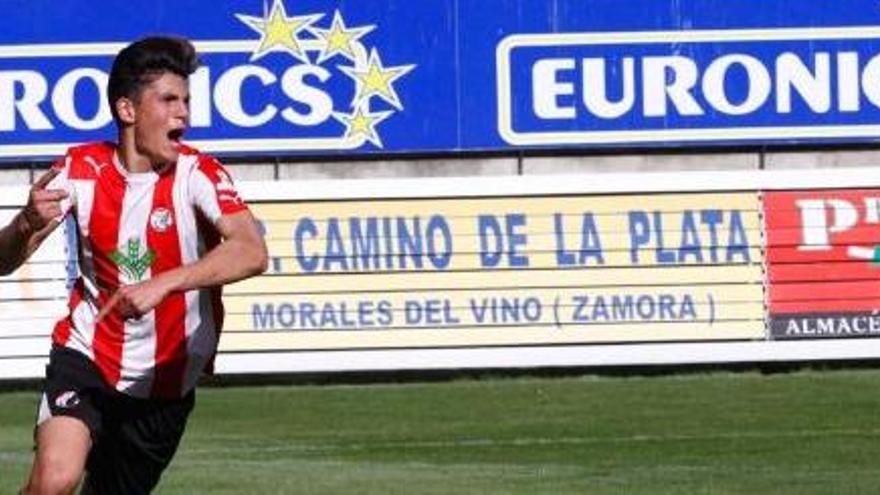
<point>20,173</point>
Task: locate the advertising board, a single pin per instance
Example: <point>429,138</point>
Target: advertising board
<point>376,77</point>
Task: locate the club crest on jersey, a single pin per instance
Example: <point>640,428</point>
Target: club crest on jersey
<point>161,219</point>
<point>134,261</point>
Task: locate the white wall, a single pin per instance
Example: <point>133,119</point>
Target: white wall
<point>292,169</point>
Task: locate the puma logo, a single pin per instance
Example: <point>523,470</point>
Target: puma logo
<point>97,167</point>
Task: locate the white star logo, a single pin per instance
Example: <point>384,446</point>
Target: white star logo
<point>340,39</point>
<point>377,80</point>
<point>362,123</point>
<point>278,32</point>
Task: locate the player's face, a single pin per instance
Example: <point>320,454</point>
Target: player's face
<point>162,115</point>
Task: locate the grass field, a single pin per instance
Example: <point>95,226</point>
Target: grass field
<point>807,432</point>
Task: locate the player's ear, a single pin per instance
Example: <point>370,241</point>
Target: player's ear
<point>125,110</point>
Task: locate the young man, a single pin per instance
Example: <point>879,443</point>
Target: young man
<point>146,217</point>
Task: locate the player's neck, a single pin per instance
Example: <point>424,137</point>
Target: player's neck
<point>134,161</point>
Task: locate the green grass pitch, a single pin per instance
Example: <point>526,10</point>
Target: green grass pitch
<point>806,432</point>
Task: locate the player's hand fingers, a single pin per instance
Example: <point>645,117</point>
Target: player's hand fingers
<point>49,210</point>
<point>47,229</point>
<point>38,216</point>
<point>45,179</point>
<point>49,213</point>
<point>41,195</point>
<point>108,306</point>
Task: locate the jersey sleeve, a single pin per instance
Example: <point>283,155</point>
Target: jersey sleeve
<point>213,191</point>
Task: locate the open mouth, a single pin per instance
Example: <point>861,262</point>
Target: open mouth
<point>175,135</point>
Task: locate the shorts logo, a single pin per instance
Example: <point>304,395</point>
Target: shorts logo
<point>161,219</point>
<point>67,400</point>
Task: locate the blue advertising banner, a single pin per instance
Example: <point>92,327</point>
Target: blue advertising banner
<point>387,76</point>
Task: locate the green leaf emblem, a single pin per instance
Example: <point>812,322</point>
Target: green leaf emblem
<point>133,263</point>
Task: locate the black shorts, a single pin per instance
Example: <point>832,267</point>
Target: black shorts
<point>133,440</point>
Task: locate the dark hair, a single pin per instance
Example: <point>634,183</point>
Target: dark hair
<point>144,61</point>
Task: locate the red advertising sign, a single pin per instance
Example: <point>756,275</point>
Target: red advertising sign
<point>823,263</point>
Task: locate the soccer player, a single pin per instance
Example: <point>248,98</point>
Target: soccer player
<point>155,228</point>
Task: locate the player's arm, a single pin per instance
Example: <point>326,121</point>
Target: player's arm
<point>27,230</point>
<point>242,254</point>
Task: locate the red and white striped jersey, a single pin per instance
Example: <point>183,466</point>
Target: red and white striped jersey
<point>123,228</point>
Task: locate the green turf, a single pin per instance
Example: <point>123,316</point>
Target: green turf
<point>808,432</point>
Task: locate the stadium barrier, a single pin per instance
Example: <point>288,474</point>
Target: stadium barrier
<point>528,271</point>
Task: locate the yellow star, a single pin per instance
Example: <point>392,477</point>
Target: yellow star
<point>377,80</point>
<point>278,32</point>
<point>339,38</point>
<point>362,123</point>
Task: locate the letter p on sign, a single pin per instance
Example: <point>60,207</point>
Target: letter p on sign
<point>816,214</point>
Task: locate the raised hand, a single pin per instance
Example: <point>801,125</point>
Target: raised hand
<point>44,205</point>
<point>32,225</point>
